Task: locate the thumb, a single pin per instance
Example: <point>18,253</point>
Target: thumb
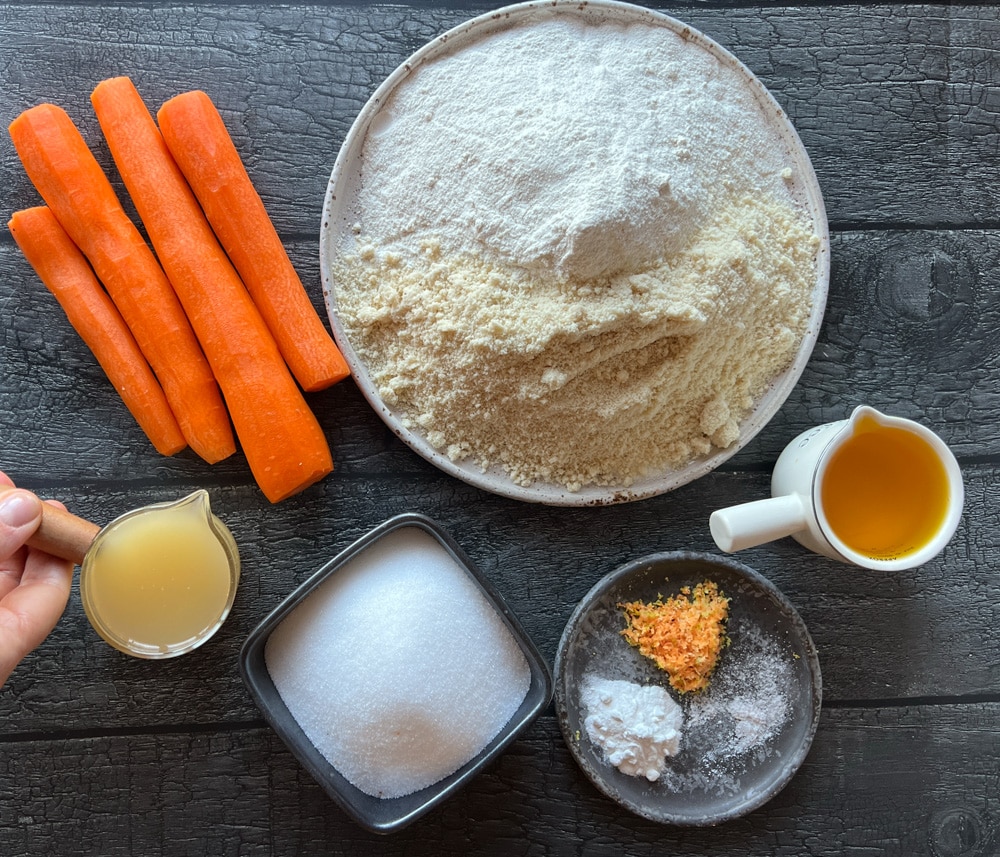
<point>20,515</point>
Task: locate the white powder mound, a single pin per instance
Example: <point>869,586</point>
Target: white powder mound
<point>710,742</point>
<point>637,726</point>
<point>579,255</point>
<point>561,146</point>
<point>397,668</point>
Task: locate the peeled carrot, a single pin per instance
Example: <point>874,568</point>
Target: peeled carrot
<point>281,438</point>
<point>200,144</point>
<point>66,273</point>
<point>72,183</point>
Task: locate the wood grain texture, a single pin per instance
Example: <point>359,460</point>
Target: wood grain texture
<point>925,634</point>
<point>899,782</point>
<point>892,101</point>
<point>896,103</point>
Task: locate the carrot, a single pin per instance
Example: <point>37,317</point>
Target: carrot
<point>66,273</point>
<point>200,144</point>
<point>281,438</point>
<point>75,188</point>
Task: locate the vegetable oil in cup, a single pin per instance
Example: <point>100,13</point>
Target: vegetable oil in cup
<point>160,581</point>
<point>881,492</point>
<point>885,491</point>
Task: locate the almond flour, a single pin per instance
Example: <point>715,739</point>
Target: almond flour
<point>580,254</point>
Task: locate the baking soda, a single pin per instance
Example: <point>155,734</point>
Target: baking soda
<point>637,726</point>
<point>397,667</point>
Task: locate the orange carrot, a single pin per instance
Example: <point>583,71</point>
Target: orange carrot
<point>74,186</point>
<point>200,144</point>
<point>66,273</point>
<point>283,442</point>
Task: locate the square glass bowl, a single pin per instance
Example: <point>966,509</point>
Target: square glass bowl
<point>378,814</point>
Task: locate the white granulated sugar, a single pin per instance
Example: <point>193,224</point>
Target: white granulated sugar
<point>578,253</point>
<point>397,668</point>
<point>636,726</point>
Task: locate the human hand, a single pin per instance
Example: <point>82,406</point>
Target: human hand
<point>34,586</point>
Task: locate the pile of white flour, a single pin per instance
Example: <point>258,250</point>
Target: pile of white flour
<point>578,254</point>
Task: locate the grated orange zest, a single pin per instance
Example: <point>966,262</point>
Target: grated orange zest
<point>683,635</point>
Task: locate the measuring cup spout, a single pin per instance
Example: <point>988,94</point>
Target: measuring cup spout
<point>198,499</point>
<point>866,415</point>
<point>745,526</point>
<point>200,506</point>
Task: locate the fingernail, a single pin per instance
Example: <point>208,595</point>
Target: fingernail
<point>19,508</point>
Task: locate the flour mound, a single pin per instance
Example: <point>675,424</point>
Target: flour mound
<point>579,284</point>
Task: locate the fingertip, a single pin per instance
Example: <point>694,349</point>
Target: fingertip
<point>19,508</point>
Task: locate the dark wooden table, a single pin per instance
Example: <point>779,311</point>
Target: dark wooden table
<point>898,107</point>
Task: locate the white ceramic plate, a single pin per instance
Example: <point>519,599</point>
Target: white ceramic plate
<point>339,217</point>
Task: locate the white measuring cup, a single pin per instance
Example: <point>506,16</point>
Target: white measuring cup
<point>815,477</point>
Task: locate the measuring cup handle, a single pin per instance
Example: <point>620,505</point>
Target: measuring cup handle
<point>750,524</point>
<point>62,533</point>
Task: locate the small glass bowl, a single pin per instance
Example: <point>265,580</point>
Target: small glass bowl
<point>133,647</point>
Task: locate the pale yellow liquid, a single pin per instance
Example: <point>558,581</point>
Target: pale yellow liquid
<point>160,578</point>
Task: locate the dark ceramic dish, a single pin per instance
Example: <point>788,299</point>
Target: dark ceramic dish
<point>378,814</point>
<point>697,788</point>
